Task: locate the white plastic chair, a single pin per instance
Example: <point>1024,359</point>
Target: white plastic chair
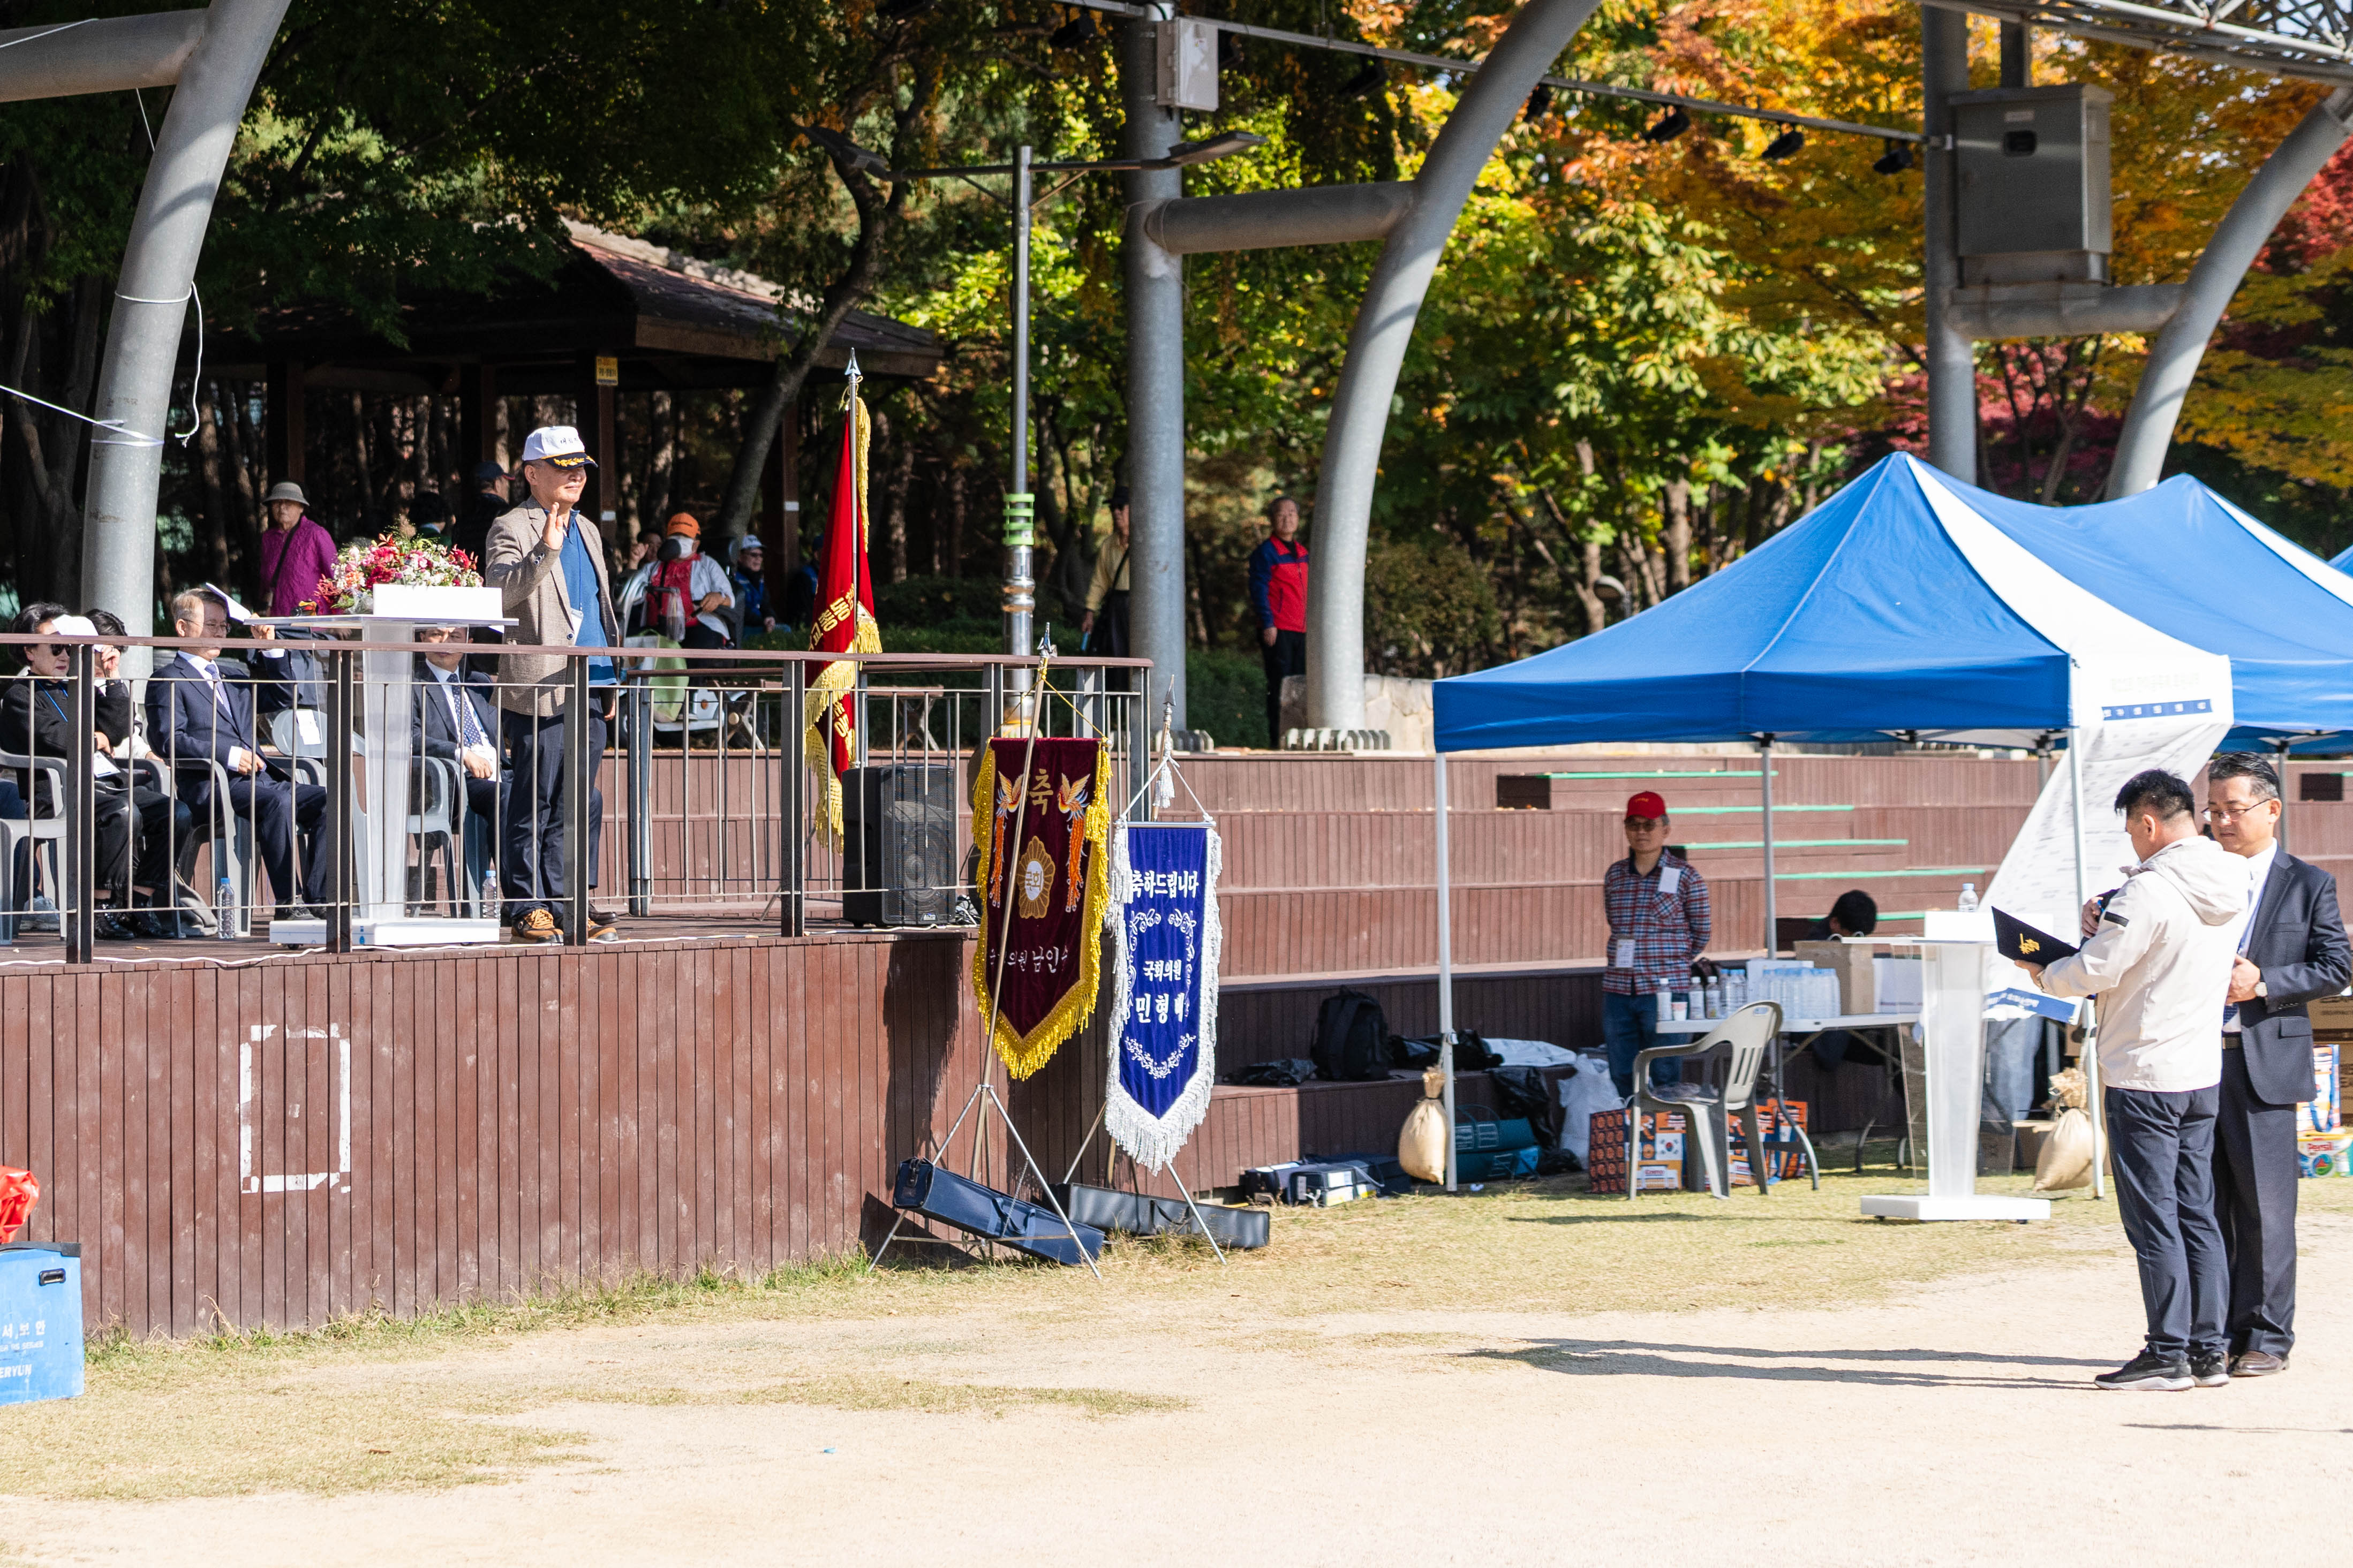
<point>43,832</point>
<point>1707,1112</point>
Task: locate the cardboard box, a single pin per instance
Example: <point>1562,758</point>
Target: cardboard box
<point>2332,1018</point>
<point>2324,1155</point>
<point>1787,1159</point>
<point>1854,963</point>
<point>1658,1154</point>
<point>2324,1112</point>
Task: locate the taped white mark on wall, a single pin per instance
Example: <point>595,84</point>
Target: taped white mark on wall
<point>300,1043</point>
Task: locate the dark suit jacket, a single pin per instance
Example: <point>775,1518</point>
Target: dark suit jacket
<point>2299,944</point>
<point>434,731</point>
<point>185,728</point>
<point>33,724</point>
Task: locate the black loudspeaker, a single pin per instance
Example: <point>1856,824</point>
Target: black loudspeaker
<point>898,844</point>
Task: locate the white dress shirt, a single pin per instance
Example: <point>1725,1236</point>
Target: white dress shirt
<point>2259,871</point>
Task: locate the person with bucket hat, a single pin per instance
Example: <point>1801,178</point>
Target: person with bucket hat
<point>1657,907</point>
<point>547,560</point>
<point>297,553</point>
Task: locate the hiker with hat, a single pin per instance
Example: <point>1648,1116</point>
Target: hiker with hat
<point>1658,920</point>
<point>682,593</point>
<point>751,584</point>
<point>547,560</point>
<point>297,553</point>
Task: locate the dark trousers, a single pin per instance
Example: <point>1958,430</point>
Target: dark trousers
<point>137,815</point>
<point>531,861</point>
<point>1110,638</point>
<point>1630,1025</point>
<point>2254,1201</point>
<point>2162,1145</point>
<point>281,812</point>
<point>1287,655</point>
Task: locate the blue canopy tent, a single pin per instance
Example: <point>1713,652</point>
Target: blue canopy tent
<point>1894,610</point>
<point>2342,563</point>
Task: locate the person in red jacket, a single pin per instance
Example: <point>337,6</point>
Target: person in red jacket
<point>1277,586</point>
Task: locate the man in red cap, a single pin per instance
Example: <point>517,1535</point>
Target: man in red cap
<point>1659,922</point>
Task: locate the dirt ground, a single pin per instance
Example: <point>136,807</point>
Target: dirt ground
<point>1530,1375</point>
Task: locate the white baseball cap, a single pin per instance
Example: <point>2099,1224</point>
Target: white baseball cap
<point>558,444</point>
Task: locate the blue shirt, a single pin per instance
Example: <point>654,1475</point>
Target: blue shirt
<point>580,591</point>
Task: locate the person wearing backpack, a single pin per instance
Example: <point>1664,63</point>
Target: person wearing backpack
<point>1658,920</point>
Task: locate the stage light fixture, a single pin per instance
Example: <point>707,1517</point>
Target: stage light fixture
<point>1539,103</point>
<point>1672,125</point>
<point>1785,145</point>
<point>1229,50</point>
<point>1224,144</point>
<point>1365,81</point>
<point>1075,33</point>
<point>1895,159</point>
<point>863,159</point>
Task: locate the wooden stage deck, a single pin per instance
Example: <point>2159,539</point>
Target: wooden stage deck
<point>240,1135</point>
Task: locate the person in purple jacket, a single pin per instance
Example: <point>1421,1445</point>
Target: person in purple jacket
<point>296,551</point>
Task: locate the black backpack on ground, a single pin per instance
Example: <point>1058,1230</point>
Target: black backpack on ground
<point>1352,1039</point>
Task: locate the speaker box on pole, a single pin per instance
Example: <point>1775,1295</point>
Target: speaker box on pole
<point>898,851</point>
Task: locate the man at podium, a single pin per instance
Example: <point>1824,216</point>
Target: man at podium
<point>2160,962</point>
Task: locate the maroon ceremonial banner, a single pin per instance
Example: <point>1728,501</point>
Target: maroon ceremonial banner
<point>1040,818</point>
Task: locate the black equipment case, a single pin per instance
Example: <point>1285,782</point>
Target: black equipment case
<point>1133,1214</point>
<point>925,1189</point>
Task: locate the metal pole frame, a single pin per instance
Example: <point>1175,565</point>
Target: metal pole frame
<point>1445,964</point>
<point>794,860</point>
<point>1772,906</point>
<point>577,810</point>
<point>2089,1007</point>
<point>78,899</point>
<point>341,882</point>
<point>1951,358</point>
<point>1020,588</point>
<point>641,792</point>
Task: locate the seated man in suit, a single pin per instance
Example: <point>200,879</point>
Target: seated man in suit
<point>194,719</point>
<point>457,718</point>
<point>35,721</point>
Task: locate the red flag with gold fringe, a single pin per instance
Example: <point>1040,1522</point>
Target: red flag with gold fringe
<point>1041,823</point>
<point>844,621</point>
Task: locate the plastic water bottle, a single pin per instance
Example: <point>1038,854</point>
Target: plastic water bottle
<point>225,911</point>
<point>1969,897</point>
<point>1666,1003</point>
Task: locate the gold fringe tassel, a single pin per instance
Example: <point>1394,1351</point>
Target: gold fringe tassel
<point>838,682</point>
<point>1024,1054</point>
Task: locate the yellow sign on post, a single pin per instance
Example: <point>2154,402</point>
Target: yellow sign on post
<point>609,370</point>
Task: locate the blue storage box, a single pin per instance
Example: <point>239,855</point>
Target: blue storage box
<point>41,1321</point>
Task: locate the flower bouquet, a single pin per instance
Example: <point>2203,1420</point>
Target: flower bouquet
<point>362,569</point>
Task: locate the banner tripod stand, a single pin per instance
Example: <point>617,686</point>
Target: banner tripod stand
<point>985,1093</point>
<point>1088,1142</point>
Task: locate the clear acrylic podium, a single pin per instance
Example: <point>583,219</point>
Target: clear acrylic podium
<point>1953,948</point>
<point>381,828</point>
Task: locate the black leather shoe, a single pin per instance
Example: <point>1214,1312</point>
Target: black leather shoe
<point>2257,1364</point>
<point>2209,1369</point>
<point>108,926</point>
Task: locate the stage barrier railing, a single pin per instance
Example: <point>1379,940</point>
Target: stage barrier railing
<point>228,795</point>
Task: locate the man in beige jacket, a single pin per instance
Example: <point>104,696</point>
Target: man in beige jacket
<point>548,560</point>
<point>2159,962</point>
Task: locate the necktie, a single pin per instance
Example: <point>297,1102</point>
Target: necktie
<point>469,728</point>
<point>2246,934</point>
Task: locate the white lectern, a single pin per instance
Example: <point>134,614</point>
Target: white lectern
<point>385,695</point>
<point>1952,1034</point>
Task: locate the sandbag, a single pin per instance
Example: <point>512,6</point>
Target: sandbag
<point>2067,1153</point>
<point>1582,1093</point>
<point>1422,1142</point>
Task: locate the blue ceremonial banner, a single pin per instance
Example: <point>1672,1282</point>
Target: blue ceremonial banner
<point>1164,1036</point>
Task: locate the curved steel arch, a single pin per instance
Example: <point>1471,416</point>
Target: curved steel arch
<point>159,268</point>
<point>1385,322</point>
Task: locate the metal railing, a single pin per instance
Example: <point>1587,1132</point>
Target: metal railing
<point>323,791</point>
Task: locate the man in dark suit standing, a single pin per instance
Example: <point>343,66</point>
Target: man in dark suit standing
<point>195,719</point>
<point>2293,949</point>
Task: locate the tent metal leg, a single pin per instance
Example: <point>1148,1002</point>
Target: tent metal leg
<point>1445,967</point>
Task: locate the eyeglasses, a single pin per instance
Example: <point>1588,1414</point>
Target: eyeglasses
<point>2232,813</point>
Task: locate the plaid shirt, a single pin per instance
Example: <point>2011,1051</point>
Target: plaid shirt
<point>1667,932</point>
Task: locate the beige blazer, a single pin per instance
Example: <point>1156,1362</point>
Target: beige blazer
<point>517,561</point>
